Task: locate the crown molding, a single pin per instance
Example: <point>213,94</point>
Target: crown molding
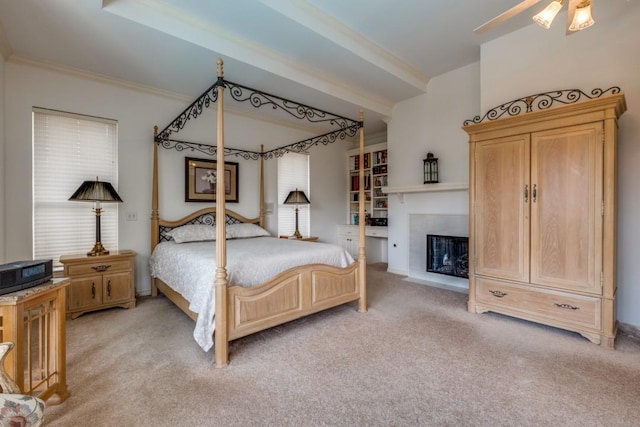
<point>102,78</point>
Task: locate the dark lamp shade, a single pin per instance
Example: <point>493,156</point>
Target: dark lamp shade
<point>296,198</point>
<point>95,191</point>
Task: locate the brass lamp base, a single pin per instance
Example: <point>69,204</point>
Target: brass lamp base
<point>97,250</point>
<point>297,234</point>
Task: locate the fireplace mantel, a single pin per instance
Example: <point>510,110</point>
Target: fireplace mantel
<point>425,188</point>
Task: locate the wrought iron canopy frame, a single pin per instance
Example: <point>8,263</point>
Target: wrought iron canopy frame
<point>346,127</point>
<point>540,101</point>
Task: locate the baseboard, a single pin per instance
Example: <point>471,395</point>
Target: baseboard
<point>630,330</point>
<point>398,272</point>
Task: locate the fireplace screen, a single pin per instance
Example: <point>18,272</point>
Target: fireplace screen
<point>448,255</point>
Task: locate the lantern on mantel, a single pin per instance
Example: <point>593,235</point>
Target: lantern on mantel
<point>430,169</point>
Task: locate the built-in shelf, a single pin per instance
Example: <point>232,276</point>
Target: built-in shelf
<point>426,188</point>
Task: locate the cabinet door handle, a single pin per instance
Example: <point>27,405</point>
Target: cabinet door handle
<point>101,268</point>
<point>526,193</point>
<point>535,192</point>
<point>109,288</point>
<point>498,294</point>
<point>567,306</point>
<point>93,290</point>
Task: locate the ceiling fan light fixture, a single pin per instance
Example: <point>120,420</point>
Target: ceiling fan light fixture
<point>582,18</point>
<point>545,18</point>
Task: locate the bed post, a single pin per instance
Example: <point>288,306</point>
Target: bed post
<point>155,231</point>
<point>362,257</point>
<point>221,334</point>
<point>262,185</point>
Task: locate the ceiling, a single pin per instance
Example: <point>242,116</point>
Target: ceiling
<point>335,55</point>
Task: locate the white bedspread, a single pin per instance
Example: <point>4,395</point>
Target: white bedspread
<point>190,269</point>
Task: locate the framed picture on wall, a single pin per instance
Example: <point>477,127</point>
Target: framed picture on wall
<point>201,178</point>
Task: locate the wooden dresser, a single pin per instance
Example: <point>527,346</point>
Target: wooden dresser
<point>542,222</point>
<point>100,282</point>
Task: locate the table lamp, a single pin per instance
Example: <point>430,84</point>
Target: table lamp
<point>98,192</point>
<point>297,198</point>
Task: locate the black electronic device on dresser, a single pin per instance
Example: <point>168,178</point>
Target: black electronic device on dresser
<point>20,275</point>
<point>378,222</point>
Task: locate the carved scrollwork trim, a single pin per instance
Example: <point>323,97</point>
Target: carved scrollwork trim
<point>210,150</point>
<point>197,107</point>
<point>540,101</point>
<point>259,99</point>
<point>324,139</point>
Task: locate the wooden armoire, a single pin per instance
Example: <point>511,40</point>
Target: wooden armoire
<point>542,216</point>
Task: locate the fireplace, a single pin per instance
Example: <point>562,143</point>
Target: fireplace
<point>448,255</point>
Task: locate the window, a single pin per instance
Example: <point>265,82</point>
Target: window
<point>67,150</point>
<point>293,173</point>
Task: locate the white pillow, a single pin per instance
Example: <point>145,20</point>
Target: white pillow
<point>241,231</point>
<point>193,233</point>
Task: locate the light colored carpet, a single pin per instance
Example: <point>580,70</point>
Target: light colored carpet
<point>417,357</point>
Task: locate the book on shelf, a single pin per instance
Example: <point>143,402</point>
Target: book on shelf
<point>378,170</point>
<point>380,157</point>
<point>354,162</point>
<point>355,182</point>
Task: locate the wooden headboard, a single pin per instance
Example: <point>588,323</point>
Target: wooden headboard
<point>205,216</point>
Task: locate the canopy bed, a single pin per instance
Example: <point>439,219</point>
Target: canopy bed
<point>308,278</point>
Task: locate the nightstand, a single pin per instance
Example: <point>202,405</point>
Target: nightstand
<point>100,282</point>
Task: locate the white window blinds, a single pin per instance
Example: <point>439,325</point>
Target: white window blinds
<point>67,150</point>
<point>293,173</point>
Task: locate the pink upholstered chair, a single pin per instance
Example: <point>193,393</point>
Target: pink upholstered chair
<point>16,409</point>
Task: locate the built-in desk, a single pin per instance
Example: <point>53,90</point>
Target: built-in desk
<point>376,241</point>
<point>34,321</point>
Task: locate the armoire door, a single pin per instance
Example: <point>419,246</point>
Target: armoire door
<point>502,195</point>
<point>566,199</point>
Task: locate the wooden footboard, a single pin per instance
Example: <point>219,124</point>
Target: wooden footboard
<point>292,294</point>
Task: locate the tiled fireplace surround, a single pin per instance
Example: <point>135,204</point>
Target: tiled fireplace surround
<point>442,224</point>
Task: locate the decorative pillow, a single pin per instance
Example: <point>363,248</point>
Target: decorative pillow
<point>193,233</point>
<point>241,231</point>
